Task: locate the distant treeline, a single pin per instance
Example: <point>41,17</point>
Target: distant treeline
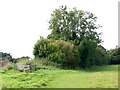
<point>8,57</point>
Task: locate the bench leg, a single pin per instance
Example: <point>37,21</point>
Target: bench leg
<point>24,70</point>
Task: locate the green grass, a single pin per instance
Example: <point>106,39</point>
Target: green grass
<point>0,81</point>
<point>96,77</point>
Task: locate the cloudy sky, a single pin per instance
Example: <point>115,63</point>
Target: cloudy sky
<point>22,22</point>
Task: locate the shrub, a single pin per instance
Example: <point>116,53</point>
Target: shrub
<point>87,52</point>
<point>92,54</point>
<point>9,66</point>
<point>114,55</point>
<point>58,51</point>
<point>67,54</point>
<point>101,56</point>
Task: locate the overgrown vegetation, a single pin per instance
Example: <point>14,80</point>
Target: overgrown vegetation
<point>57,51</point>
<point>37,64</point>
<point>74,41</point>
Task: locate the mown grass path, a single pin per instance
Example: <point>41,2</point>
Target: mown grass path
<point>99,77</point>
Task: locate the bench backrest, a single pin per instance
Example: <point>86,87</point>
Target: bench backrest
<point>23,67</point>
<point>20,66</point>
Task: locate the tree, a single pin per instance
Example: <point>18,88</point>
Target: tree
<point>114,55</point>
<point>73,25</point>
<point>5,56</point>
<point>87,52</point>
<point>72,28</point>
<point>101,56</point>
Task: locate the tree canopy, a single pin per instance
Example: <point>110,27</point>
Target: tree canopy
<point>74,25</point>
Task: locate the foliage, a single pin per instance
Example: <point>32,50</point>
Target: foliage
<point>87,52</point>
<point>23,57</point>
<point>101,56</point>
<point>5,56</point>
<point>74,25</point>
<point>9,66</point>
<point>59,51</point>
<point>40,48</point>
<point>73,41</point>
<point>114,55</point>
<point>92,54</point>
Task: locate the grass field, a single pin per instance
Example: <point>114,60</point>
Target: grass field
<point>96,77</point>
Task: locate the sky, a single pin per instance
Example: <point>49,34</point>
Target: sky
<point>22,22</point>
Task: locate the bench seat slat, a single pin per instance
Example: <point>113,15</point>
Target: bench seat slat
<point>23,67</point>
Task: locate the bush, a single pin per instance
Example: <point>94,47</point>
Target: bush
<point>9,66</point>
<point>92,54</point>
<point>114,55</point>
<point>58,51</point>
<point>101,57</point>
<point>115,59</point>
<point>67,54</point>
<point>87,52</point>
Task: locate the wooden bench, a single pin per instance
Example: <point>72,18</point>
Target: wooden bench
<point>22,67</point>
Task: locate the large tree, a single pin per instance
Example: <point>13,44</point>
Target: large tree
<point>74,25</point>
<point>78,28</point>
